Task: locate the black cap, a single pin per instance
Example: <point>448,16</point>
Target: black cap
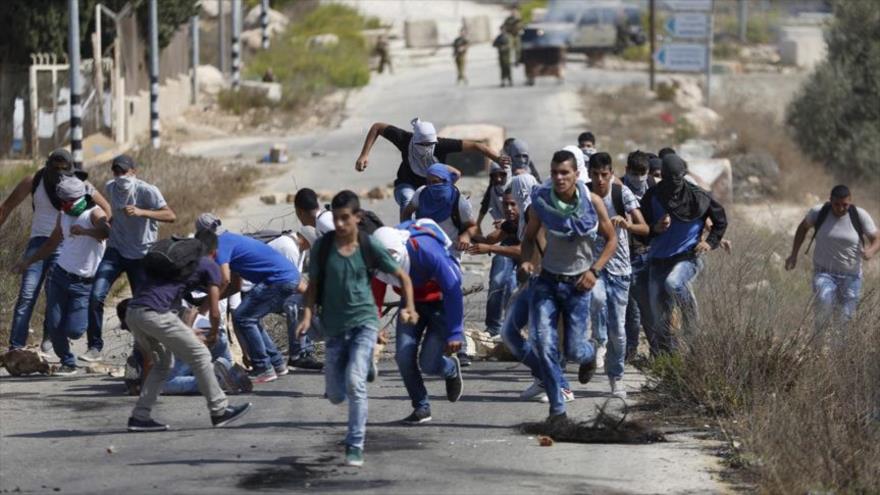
<point>123,162</point>
<point>62,155</point>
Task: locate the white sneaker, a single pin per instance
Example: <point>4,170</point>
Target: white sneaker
<point>600,357</point>
<point>534,390</point>
<point>542,398</point>
<point>617,388</point>
<point>567,395</point>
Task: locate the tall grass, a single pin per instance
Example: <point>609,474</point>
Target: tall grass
<point>190,186</point>
<point>800,408</point>
<point>309,73</point>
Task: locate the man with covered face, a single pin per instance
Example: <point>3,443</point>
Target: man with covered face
<point>419,149</point>
<point>419,247</point>
<point>46,205</point>
<point>138,207</point>
<point>676,211</point>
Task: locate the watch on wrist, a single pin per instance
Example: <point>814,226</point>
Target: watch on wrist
<point>594,272</point>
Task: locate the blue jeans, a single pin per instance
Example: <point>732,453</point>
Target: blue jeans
<point>517,319</point>
<point>298,346</point>
<point>608,311</point>
<point>345,376</point>
<point>403,194</point>
<point>67,311</point>
<point>31,283</point>
<point>638,307</point>
<point>430,332</point>
<point>549,300</point>
<point>111,267</point>
<point>670,283</point>
<point>837,297</point>
<point>181,380</point>
<point>260,301</point>
<point>502,283</point>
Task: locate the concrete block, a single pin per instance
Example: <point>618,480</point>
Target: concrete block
<point>478,29</point>
<point>716,175</point>
<point>420,34</point>
<point>272,91</point>
<point>802,46</point>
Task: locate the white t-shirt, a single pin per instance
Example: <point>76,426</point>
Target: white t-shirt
<point>465,212</point>
<point>80,254</point>
<point>837,248</point>
<point>619,263</point>
<point>324,222</point>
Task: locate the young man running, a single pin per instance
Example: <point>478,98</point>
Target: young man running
<point>438,333</point>
<point>611,292</point>
<point>571,217</point>
<point>138,207</point>
<point>339,282</point>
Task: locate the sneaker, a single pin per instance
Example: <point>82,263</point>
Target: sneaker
<point>418,417</point>
<point>46,346</point>
<point>92,355</point>
<point>354,456</point>
<point>281,370</point>
<point>245,385</point>
<point>617,388</point>
<point>454,385</point>
<point>223,372</point>
<point>567,395</point>
<point>555,419</point>
<point>586,371</point>
<point>463,359</point>
<point>230,414</point>
<point>265,376</point>
<point>145,425</point>
<point>601,350</point>
<point>66,370</point>
<point>305,362</point>
<point>373,372</point>
<point>534,390</point>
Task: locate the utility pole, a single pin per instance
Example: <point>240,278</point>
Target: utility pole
<point>653,40</point>
<point>154,74</point>
<point>236,44</point>
<point>709,43</point>
<point>743,20</point>
<point>76,133</point>
<point>264,22</point>
<point>98,57</point>
<point>194,59</point>
<point>221,30</point>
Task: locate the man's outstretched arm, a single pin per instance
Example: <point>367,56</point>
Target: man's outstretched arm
<point>375,131</point>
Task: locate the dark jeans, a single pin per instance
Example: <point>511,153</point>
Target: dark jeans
<point>111,267</point>
<point>502,283</point>
<point>671,285</point>
<point>430,333</point>
<point>31,283</point>
<point>260,301</point>
<point>67,306</point>
<point>298,346</point>
<point>638,308</point>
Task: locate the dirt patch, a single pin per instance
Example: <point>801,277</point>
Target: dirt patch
<point>607,427</point>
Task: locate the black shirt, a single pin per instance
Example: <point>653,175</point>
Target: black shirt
<point>511,231</point>
<point>401,139</point>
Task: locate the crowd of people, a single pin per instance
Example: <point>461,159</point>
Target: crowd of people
<point>582,263</point>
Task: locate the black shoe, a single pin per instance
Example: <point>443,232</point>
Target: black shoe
<point>455,384</point>
<point>66,370</point>
<point>586,371</point>
<point>373,372</point>
<point>145,425</point>
<point>306,362</point>
<point>418,417</point>
<point>555,419</point>
<point>464,360</point>
<point>230,414</point>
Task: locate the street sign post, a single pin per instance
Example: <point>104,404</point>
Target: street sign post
<point>689,5</point>
<point>688,25</point>
<point>682,57</point>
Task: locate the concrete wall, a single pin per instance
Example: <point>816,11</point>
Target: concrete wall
<point>174,99</point>
<point>173,61</point>
<point>420,34</point>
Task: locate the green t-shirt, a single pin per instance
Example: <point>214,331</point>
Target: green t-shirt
<point>565,208</point>
<point>348,299</point>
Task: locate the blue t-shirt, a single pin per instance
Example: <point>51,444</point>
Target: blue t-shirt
<point>680,237</point>
<point>430,262</point>
<point>163,295</point>
<point>254,260</point>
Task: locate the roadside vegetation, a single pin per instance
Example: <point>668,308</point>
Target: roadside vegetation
<point>307,73</point>
<point>190,186</point>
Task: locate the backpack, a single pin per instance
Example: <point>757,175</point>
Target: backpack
<point>328,240</point>
<point>174,259</point>
<point>853,217</point>
<point>426,227</point>
<point>616,197</point>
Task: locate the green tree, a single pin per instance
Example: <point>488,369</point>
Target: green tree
<point>836,116</point>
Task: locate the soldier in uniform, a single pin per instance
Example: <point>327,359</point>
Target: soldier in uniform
<point>513,25</point>
<point>503,45</point>
<point>384,51</point>
<point>459,52</point>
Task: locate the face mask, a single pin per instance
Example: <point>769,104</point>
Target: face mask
<point>425,150</point>
<point>638,183</point>
<point>75,208</point>
<point>588,150</point>
<point>125,182</point>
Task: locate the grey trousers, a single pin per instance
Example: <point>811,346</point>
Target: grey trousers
<point>162,336</point>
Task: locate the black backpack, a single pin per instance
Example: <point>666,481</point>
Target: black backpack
<point>616,197</point>
<point>174,259</point>
<point>328,241</point>
<point>853,217</point>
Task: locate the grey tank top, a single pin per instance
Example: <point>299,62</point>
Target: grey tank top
<point>565,256</point>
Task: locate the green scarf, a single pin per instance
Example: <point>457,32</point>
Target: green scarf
<point>80,206</point>
<point>567,209</point>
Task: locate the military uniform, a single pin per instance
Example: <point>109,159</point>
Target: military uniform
<point>459,52</point>
<point>503,45</point>
<point>384,52</point>
<point>513,26</point>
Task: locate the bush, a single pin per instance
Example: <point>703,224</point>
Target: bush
<point>684,130</point>
<point>836,116</point>
<point>800,409</point>
<point>666,91</point>
<point>636,53</point>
